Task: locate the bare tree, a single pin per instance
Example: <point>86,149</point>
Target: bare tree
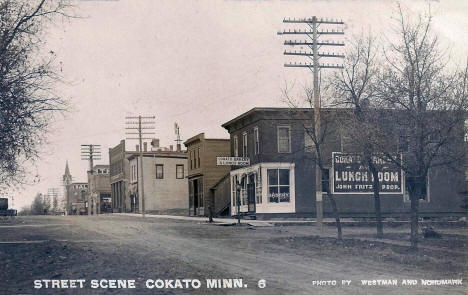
<point>423,102</point>
<point>320,139</point>
<point>27,78</point>
<point>354,87</point>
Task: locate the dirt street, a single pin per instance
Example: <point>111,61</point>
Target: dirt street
<point>290,259</point>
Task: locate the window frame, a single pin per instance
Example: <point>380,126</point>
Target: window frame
<point>183,171</point>
<point>162,171</point>
<point>406,196</point>
<point>311,148</point>
<point>278,138</point>
<point>278,185</point>
<point>244,144</point>
<point>236,146</point>
<point>465,139</point>
<point>256,141</point>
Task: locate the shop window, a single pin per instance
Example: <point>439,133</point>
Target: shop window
<point>278,185</point>
<point>180,171</point>
<point>234,191</point>
<point>258,187</point>
<point>284,139</point>
<point>309,146</point>
<point>256,141</point>
<point>159,171</point>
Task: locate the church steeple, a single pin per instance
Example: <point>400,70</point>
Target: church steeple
<point>67,176</point>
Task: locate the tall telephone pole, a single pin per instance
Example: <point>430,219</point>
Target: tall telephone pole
<point>140,126</point>
<point>90,152</point>
<point>314,44</point>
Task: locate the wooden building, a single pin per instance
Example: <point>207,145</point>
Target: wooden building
<point>204,174</point>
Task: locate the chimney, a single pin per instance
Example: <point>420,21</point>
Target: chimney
<point>155,143</point>
<point>137,148</point>
<point>145,146</point>
<point>179,147</point>
<point>171,147</point>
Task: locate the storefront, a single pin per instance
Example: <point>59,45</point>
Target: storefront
<point>265,188</point>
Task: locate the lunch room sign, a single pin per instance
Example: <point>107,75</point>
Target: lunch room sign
<point>350,176</point>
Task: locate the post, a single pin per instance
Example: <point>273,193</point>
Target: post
<point>238,189</point>
<point>316,94</point>
<point>139,126</point>
<point>90,176</point>
<point>141,169</point>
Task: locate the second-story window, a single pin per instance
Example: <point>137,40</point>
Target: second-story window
<point>159,171</point>
<point>256,141</point>
<point>309,145</point>
<point>191,160</point>
<point>236,147</point>
<point>244,144</point>
<point>284,139</point>
<point>199,163</point>
<point>180,171</point>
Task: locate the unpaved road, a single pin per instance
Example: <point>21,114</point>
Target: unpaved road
<point>132,248</point>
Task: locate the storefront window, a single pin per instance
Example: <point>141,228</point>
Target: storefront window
<point>278,185</point>
<point>258,188</point>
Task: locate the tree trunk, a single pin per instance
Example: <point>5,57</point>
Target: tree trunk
<point>376,189</point>
<point>336,214</point>
<point>414,218</point>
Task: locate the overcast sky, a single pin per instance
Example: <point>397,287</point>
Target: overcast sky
<point>198,63</point>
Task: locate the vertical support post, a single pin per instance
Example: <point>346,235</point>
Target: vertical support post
<point>316,94</point>
<point>90,175</point>
<point>141,168</point>
<point>238,190</point>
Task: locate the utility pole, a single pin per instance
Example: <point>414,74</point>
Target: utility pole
<point>314,44</point>
<point>140,125</point>
<point>90,152</point>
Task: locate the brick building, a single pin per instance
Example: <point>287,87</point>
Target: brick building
<point>204,174</point>
<point>75,194</point>
<point>281,176</point>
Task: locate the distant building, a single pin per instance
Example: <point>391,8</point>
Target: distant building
<point>99,196</point>
<point>164,180</point>
<point>119,177</point>
<point>204,174</point>
<point>75,194</point>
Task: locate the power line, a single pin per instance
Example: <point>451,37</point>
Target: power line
<point>140,123</point>
<point>90,152</point>
<point>314,44</point>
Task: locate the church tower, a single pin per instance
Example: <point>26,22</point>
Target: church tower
<point>66,180</point>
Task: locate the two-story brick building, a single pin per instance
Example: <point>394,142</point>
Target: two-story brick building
<point>281,175</point>
<point>204,174</point>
